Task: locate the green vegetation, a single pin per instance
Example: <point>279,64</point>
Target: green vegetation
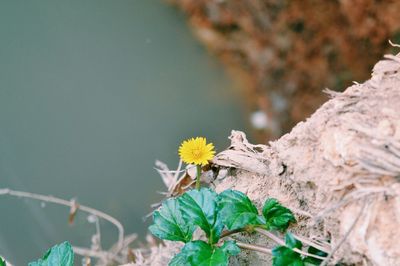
<point>178,218</point>
<point>219,216</point>
<point>61,255</point>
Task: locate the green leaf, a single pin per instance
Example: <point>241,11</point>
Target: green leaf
<point>285,256</point>
<point>277,216</point>
<point>2,262</point>
<point>60,255</point>
<point>237,210</point>
<point>199,207</point>
<point>180,259</point>
<point>314,261</point>
<point>230,247</point>
<point>199,253</point>
<point>292,242</point>
<point>169,223</point>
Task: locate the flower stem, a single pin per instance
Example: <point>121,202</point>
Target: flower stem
<point>198,167</point>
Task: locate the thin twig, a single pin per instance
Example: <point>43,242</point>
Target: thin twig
<point>307,254</point>
<point>85,252</point>
<point>104,256</point>
<point>98,232</point>
<point>52,199</point>
<point>178,170</point>
<point>270,236</point>
<point>311,243</point>
<point>231,232</point>
<point>282,243</point>
<point>254,247</point>
<point>394,44</point>
<point>346,235</point>
<point>277,240</point>
<point>128,239</point>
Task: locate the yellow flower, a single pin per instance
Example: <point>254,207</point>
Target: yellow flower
<point>196,151</point>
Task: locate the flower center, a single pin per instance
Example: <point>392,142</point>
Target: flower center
<point>196,153</point>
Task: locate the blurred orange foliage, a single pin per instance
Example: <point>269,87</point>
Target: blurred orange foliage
<point>289,51</point>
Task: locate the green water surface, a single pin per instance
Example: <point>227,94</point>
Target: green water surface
<point>91,94</point>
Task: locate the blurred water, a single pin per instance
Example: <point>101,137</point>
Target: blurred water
<point>91,93</point>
